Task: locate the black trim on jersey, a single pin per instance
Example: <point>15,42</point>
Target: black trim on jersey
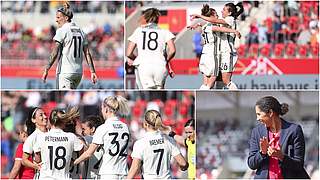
<point>185,142</point>
<point>58,42</point>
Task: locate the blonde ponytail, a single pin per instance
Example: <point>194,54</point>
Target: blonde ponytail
<point>153,118</point>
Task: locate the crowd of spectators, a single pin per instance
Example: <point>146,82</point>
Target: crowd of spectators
<point>20,42</point>
<point>110,7</point>
<point>292,30</point>
<point>176,108</point>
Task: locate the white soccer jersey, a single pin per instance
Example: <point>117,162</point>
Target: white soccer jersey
<point>73,40</point>
<point>115,136</point>
<point>210,39</point>
<point>155,150</point>
<point>151,42</point>
<point>28,145</point>
<point>228,39</point>
<point>56,147</point>
<point>92,165</point>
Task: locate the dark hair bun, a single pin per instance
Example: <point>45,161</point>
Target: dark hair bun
<point>205,11</point>
<point>284,108</point>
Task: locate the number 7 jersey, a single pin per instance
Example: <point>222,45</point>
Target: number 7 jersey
<point>155,151</point>
<point>72,39</point>
<point>114,135</point>
<point>151,42</point>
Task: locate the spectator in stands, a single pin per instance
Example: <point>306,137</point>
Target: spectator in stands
<point>253,34</point>
<point>304,36</point>
<point>262,33</point>
<point>277,147</point>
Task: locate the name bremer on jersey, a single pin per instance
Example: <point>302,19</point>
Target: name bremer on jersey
<point>54,139</point>
<point>156,141</point>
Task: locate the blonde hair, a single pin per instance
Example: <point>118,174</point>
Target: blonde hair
<point>153,118</point>
<point>65,10</point>
<point>117,104</point>
<point>60,118</point>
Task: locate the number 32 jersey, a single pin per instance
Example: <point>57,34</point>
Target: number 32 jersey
<point>155,150</point>
<point>115,136</point>
<point>151,42</point>
<point>72,39</point>
<point>56,147</point>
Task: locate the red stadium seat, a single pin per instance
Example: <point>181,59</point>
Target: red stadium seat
<point>315,51</point>
<point>278,50</point>
<point>303,51</point>
<point>265,50</point>
<point>242,51</point>
<point>293,22</point>
<point>291,49</point>
<point>253,50</point>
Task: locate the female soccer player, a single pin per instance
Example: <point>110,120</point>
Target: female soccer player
<point>70,44</point>
<point>152,61</point>
<point>18,170</point>
<point>189,143</point>
<point>36,126</point>
<point>91,166</point>
<point>114,136</point>
<point>56,146</point>
<point>228,53</point>
<point>277,147</point>
<point>209,64</point>
<point>153,152</point>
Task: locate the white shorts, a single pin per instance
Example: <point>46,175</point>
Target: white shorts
<point>227,61</point>
<point>151,77</point>
<point>68,81</point>
<point>209,65</point>
<point>112,176</point>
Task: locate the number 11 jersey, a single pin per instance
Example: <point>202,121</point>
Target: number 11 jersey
<point>114,135</point>
<point>72,39</point>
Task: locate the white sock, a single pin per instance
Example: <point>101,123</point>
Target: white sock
<point>204,87</point>
<point>232,86</point>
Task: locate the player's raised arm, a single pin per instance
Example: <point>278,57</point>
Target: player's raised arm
<point>130,52</point>
<point>209,19</point>
<point>89,60</point>
<point>53,57</point>
<point>226,30</point>
<point>88,153</point>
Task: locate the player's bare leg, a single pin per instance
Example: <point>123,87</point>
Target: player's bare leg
<point>226,78</point>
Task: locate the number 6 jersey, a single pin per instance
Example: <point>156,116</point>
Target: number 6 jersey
<point>151,42</point>
<point>155,151</point>
<point>114,135</point>
<point>72,39</point>
<point>56,147</point>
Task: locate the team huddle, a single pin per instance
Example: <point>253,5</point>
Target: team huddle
<point>62,147</point>
<point>152,64</point>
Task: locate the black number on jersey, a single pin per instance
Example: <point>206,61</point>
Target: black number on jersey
<point>152,39</point>
<point>205,37</point>
<point>77,170</point>
<point>58,156</point>
<point>124,136</point>
<point>77,50</point>
<point>96,166</point>
<point>160,158</point>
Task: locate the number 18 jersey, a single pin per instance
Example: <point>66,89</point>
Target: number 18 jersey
<point>155,150</point>
<point>56,147</point>
<point>72,39</point>
<point>114,135</point>
<point>151,42</point>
